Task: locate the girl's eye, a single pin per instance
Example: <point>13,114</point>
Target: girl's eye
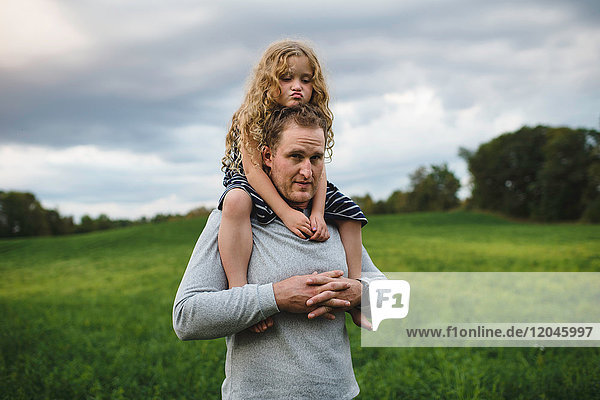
<point>285,78</point>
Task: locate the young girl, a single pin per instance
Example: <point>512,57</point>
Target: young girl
<point>287,74</point>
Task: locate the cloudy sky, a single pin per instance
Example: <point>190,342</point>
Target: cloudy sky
<point>121,107</point>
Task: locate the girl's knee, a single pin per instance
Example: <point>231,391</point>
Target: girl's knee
<point>237,204</point>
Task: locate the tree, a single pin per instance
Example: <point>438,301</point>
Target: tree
<point>433,189</point>
<point>504,172</point>
<point>103,222</point>
<point>397,202</point>
<point>591,195</point>
<point>87,224</point>
<point>21,214</point>
<point>59,225</point>
<point>365,203</point>
<point>562,179</point>
<point>540,172</point>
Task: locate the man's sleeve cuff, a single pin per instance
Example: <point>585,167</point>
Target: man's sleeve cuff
<point>266,300</point>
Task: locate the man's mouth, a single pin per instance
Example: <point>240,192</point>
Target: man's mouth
<point>303,184</point>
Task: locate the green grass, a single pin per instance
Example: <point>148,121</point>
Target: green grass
<point>89,316</point>
<point>461,241</point>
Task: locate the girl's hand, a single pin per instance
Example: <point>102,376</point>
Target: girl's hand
<point>319,228</point>
<point>262,326</point>
<point>297,223</point>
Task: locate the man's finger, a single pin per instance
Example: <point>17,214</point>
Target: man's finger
<point>329,316</point>
<point>325,296</point>
<point>319,311</point>
<point>324,277</point>
<point>335,303</point>
<point>339,304</point>
<point>331,286</point>
<point>335,285</point>
<point>336,273</point>
<point>327,299</point>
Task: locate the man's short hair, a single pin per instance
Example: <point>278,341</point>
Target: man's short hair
<point>303,115</point>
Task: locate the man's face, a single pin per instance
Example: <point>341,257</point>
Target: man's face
<point>297,163</point>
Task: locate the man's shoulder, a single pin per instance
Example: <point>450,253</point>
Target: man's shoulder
<point>211,227</point>
<point>215,214</point>
<point>214,218</point>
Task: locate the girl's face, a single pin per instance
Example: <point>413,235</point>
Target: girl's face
<point>296,84</point>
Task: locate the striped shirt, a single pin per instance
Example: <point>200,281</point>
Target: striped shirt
<point>337,205</point>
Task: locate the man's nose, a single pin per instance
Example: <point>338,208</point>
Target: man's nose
<point>306,169</point>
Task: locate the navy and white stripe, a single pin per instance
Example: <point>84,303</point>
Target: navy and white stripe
<point>337,205</point>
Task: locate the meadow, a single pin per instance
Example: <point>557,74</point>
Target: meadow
<point>89,316</point>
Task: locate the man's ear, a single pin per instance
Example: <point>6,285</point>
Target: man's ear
<point>267,156</point>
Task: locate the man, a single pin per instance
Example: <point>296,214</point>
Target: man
<point>305,353</point>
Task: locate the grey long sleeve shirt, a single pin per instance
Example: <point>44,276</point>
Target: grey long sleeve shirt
<point>297,358</point>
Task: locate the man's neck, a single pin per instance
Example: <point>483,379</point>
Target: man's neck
<point>300,206</point>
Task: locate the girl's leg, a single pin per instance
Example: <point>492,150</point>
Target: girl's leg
<point>235,243</point>
<point>235,236</point>
<point>350,233</point>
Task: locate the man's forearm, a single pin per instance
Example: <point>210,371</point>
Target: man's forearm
<point>214,314</point>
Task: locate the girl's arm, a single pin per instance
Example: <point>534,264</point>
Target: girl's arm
<point>317,219</point>
<point>295,220</point>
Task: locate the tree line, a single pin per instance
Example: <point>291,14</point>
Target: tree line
<point>542,173</point>
<point>21,214</point>
<point>431,188</point>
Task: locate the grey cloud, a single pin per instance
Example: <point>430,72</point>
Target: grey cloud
<point>134,88</point>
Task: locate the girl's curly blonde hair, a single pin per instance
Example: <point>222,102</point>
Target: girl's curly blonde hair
<point>247,123</point>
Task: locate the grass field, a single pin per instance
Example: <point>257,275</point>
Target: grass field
<point>89,316</point>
